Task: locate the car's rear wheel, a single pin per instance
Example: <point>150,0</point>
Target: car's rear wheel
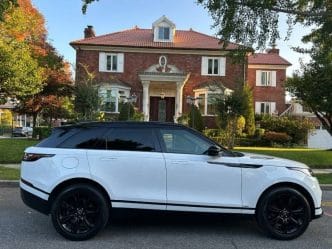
<point>79,212</point>
<point>283,213</point>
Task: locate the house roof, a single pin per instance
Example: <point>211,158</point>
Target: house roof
<point>267,59</point>
<point>143,38</point>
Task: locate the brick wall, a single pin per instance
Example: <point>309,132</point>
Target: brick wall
<point>135,63</point>
<point>269,94</point>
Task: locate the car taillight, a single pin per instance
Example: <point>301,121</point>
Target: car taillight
<point>31,157</point>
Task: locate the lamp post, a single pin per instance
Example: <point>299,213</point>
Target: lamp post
<point>191,101</point>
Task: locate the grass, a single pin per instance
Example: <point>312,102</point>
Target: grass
<point>324,178</point>
<point>314,158</point>
<point>14,174</point>
<point>12,149</point>
<point>9,173</point>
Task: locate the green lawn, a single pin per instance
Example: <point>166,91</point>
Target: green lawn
<point>9,173</point>
<point>313,158</point>
<point>12,149</point>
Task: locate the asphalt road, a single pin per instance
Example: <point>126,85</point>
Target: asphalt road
<point>21,227</point>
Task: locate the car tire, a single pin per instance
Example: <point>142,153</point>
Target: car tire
<point>79,212</point>
<point>283,213</point>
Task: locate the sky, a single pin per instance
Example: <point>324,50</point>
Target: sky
<point>65,22</point>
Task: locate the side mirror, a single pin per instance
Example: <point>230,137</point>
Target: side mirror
<point>213,151</point>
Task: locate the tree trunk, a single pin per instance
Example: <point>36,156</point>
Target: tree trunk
<point>34,120</point>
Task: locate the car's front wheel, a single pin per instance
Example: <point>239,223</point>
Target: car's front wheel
<point>283,213</point>
<point>79,212</point>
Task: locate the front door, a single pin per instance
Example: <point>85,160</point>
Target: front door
<point>162,109</point>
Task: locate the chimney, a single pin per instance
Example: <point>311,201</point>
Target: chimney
<point>89,32</point>
<point>273,50</point>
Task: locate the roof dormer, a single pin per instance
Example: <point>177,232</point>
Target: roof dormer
<point>163,30</point>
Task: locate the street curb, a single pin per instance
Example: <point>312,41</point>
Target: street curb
<point>9,183</point>
<point>15,184</point>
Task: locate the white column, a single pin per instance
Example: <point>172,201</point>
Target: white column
<point>178,100</point>
<point>146,111</point>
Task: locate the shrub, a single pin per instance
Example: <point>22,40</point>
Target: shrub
<point>277,137</point>
<point>195,118</point>
<point>127,112</point>
<point>41,132</point>
<point>297,129</point>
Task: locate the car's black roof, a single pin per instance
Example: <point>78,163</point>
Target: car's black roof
<point>121,124</point>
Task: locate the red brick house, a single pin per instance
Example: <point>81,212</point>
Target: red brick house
<point>266,76</point>
<point>162,67</point>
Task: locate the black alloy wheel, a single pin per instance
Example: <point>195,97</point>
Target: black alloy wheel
<point>284,213</point>
<point>79,212</point>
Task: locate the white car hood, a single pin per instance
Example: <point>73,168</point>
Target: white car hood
<point>249,159</point>
<point>265,160</point>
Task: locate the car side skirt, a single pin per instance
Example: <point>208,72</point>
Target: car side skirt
<point>180,207</point>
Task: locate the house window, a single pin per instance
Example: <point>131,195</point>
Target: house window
<point>213,66</point>
<point>265,78</point>
<point>207,102</point>
<point>265,107</point>
<point>112,98</point>
<point>163,33</point>
<point>111,62</point>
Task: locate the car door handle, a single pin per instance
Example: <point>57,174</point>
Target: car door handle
<point>108,158</point>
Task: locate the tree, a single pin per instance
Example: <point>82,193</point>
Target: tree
<point>127,112</point>
<point>195,118</point>
<point>252,22</point>
<point>87,101</point>
<point>248,112</point>
<point>20,74</point>
<point>22,38</point>
<point>56,89</point>
<point>5,5</point>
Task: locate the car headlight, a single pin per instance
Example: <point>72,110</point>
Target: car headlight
<point>306,171</point>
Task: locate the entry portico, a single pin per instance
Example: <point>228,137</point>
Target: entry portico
<point>163,86</point>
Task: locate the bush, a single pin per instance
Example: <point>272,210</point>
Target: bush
<point>184,119</point>
<point>127,112</point>
<point>297,129</point>
<point>195,118</point>
<point>277,137</point>
<point>41,132</point>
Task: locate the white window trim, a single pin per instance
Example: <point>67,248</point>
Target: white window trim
<point>221,66</point>
<point>273,78</point>
<point>116,89</point>
<point>272,107</point>
<point>206,92</point>
<point>103,62</point>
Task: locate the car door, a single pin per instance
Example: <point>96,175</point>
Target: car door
<point>132,167</point>
<point>196,181</point>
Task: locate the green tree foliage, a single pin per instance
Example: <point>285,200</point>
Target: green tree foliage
<point>248,112</point>
<point>87,101</point>
<point>22,35</point>
<point>195,118</point>
<point>256,22</point>
<point>313,83</point>
<point>5,5</point>
<point>127,112</point>
<point>20,74</point>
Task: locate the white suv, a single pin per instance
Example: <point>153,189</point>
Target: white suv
<point>82,171</point>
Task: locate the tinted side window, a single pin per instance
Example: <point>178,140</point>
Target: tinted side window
<point>57,137</point>
<point>132,139</point>
<point>182,141</point>
<point>87,138</point>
